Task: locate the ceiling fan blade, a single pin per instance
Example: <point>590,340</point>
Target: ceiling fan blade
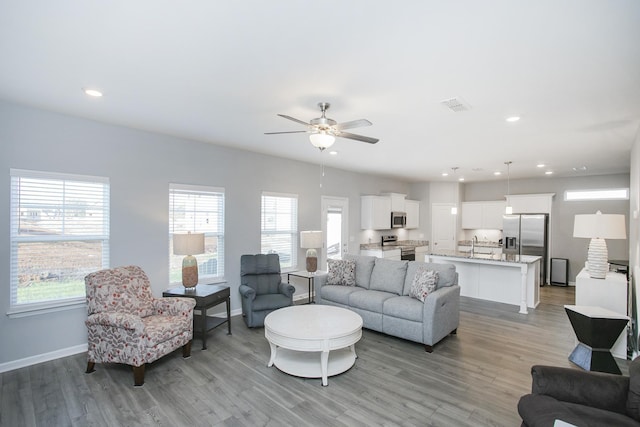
<point>353,124</point>
<point>357,137</point>
<point>291,131</point>
<point>294,119</point>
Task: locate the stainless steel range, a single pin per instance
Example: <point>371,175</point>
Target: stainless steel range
<point>406,252</point>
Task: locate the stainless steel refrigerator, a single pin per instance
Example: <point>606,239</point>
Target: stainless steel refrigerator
<point>526,234</point>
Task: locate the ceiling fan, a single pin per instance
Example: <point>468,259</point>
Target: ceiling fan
<point>323,130</point>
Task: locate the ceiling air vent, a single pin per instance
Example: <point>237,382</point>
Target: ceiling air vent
<point>456,105</point>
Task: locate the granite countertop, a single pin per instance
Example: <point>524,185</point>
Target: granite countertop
<point>396,245</point>
<point>480,244</point>
<point>512,259</point>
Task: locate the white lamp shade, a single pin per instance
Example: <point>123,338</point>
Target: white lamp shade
<point>188,243</point>
<point>600,226</point>
<point>322,140</point>
<point>310,239</point>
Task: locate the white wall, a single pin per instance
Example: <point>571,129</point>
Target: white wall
<point>140,166</point>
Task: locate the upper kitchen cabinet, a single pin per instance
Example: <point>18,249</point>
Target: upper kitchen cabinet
<point>412,208</point>
<point>483,215</point>
<point>375,213</point>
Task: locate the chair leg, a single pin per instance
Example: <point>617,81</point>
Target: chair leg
<point>186,350</point>
<point>90,367</point>
<point>138,375</point>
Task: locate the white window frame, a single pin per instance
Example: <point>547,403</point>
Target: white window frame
<point>291,230</point>
<point>17,309</point>
<point>202,191</point>
<point>597,194</point>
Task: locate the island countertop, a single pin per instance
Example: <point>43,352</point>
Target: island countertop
<point>495,277</point>
<point>484,258</point>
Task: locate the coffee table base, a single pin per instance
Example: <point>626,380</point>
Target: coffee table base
<point>313,364</point>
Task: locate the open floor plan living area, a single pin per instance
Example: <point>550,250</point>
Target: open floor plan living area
<point>343,213</point>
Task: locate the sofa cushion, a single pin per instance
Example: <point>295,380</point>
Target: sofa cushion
<point>369,300</point>
<point>541,410</point>
<point>633,398</point>
<point>341,272</point>
<point>388,276</point>
<point>424,282</point>
<point>403,307</point>
<point>364,267</point>
<point>338,293</point>
<point>446,274</point>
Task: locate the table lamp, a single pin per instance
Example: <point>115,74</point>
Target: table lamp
<point>599,227</point>
<point>189,244</point>
<point>311,240</point>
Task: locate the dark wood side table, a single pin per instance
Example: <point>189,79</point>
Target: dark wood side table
<point>597,329</point>
<point>206,296</point>
<point>310,281</point>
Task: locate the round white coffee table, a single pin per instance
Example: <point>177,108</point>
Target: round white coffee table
<point>302,336</point>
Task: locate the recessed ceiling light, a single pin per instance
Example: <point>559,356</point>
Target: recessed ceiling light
<point>461,178</point>
<point>93,92</point>
<point>445,174</point>
<point>333,153</point>
<point>496,173</point>
<point>580,169</point>
<point>548,173</point>
<point>512,119</point>
<point>540,165</point>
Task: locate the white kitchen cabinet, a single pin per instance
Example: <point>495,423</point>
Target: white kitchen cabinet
<point>392,254</point>
<point>412,208</point>
<point>375,213</point>
<point>471,215</point>
<point>397,201</point>
<point>482,215</point>
<point>609,293</point>
<point>492,213</point>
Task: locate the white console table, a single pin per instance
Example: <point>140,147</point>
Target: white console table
<point>609,293</point>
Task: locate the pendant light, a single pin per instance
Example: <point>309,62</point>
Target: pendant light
<point>508,209</point>
<point>454,209</point>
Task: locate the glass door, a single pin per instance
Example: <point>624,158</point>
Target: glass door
<point>335,227</point>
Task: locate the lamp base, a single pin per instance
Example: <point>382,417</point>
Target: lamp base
<point>189,271</point>
<point>598,258</point>
<point>312,260</point>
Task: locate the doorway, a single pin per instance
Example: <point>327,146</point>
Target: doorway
<point>443,227</point>
<point>335,228</point>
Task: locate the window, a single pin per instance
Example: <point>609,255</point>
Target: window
<point>280,228</point>
<point>59,234</point>
<point>603,194</point>
<point>200,210</point>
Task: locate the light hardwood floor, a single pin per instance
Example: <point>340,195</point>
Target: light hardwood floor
<point>474,378</point>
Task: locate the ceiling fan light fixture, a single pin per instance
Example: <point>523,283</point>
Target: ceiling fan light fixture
<point>322,140</point>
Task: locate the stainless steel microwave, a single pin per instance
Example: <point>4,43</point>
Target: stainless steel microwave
<point>398,219</point>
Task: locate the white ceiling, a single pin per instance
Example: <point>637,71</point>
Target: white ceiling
<point>220,71</point>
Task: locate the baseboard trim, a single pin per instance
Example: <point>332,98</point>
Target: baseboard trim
<point>45,357</point>
<point>70,351</point>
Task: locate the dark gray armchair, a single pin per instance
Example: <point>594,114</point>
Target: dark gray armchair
<point>261,288</point>
<point>581,398</point>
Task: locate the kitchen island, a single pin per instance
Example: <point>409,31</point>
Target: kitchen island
<point>508,279</point>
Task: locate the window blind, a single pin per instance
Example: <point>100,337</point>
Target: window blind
<point>280,227</point>
<point>59,234</point>
<point>198,209</point>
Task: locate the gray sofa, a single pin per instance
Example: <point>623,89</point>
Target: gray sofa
<point>381,297</point>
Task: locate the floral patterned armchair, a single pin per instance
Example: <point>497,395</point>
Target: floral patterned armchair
<point>126,324</point>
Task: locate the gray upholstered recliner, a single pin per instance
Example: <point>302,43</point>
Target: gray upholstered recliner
<point>261,288</point>
<point>581,398</point>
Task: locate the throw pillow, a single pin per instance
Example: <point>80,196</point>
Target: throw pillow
<point>341,272</point>
<point>424,282</point>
